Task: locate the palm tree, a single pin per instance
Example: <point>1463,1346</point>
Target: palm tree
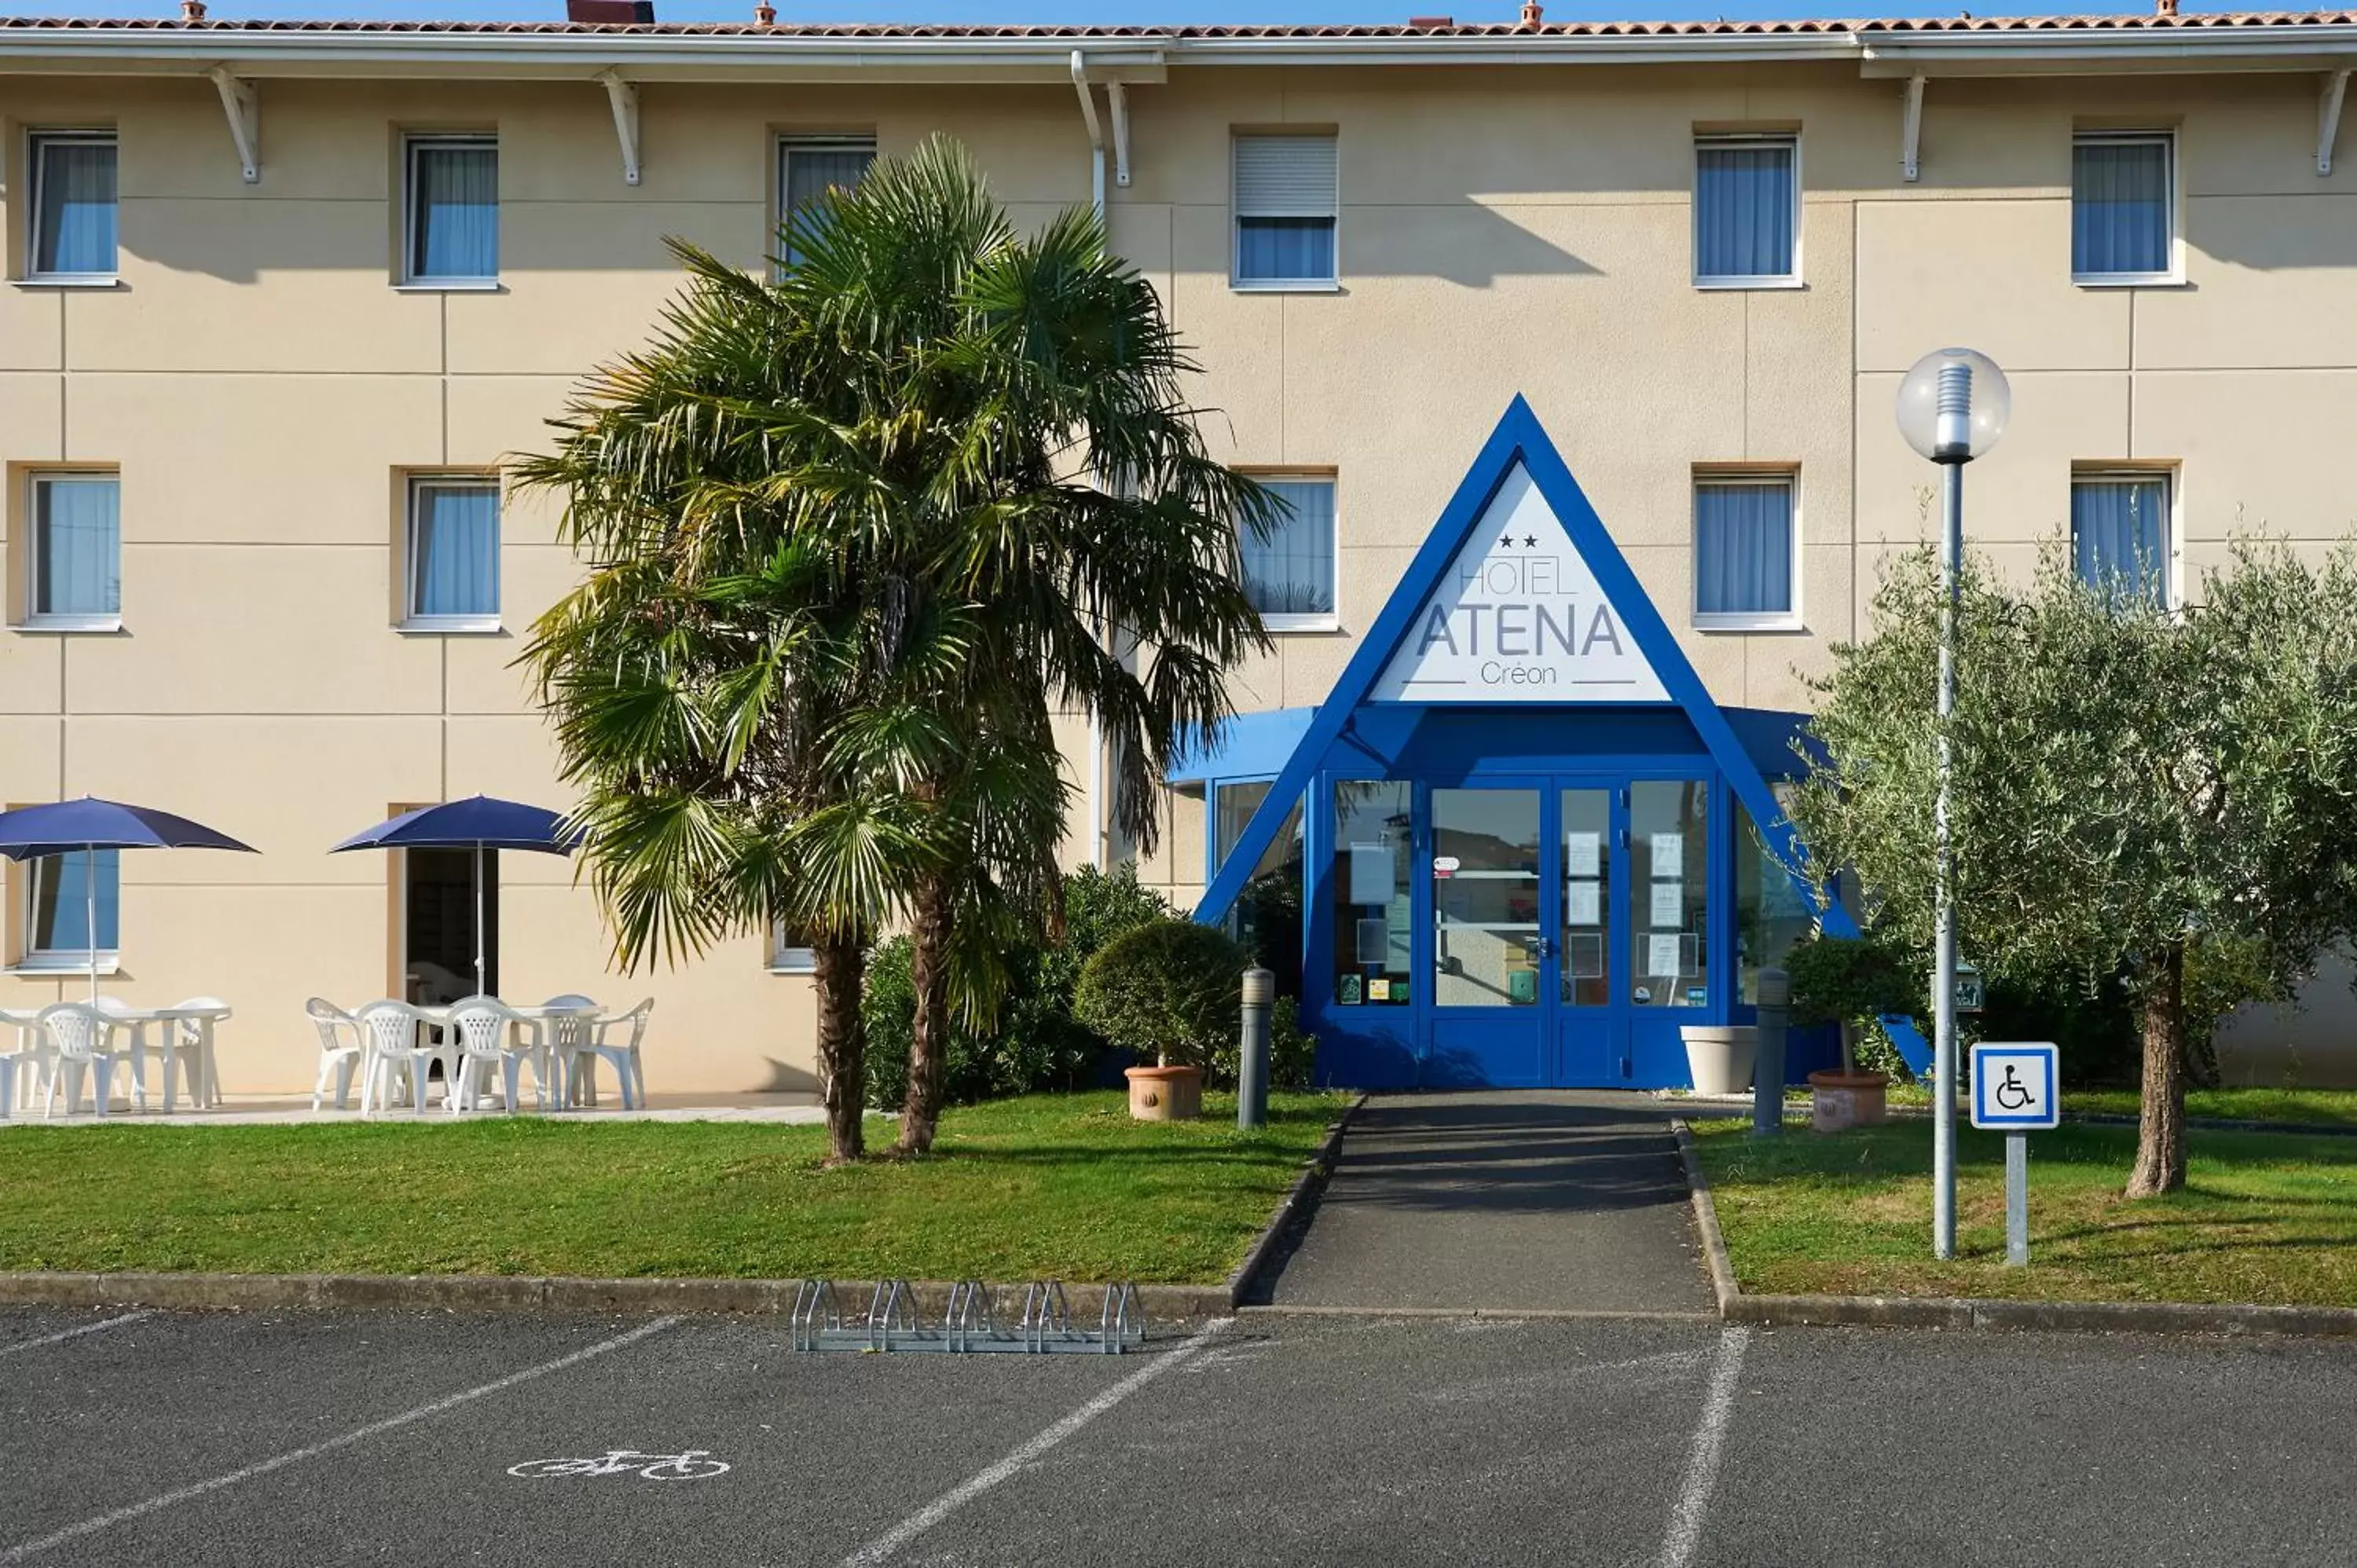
<point>1009,443</point>
<point>847,564</point>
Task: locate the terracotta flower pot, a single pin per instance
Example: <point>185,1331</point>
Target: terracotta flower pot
<point>1165,1093</point>
<point>1839,1100</point>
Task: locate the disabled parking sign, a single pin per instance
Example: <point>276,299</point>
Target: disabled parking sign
<point>2016,1087</point>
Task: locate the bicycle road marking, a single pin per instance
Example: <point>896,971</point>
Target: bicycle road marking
<point>25,1550</point>
<point>11,1348</point>
<point>693,1464</point>
<point>885,1547</point>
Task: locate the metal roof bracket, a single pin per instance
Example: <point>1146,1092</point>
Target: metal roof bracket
<point>1118,96</point>
<point>624,98</point>
<point>1910,130</point>
<point>243,107</point>
<point>2328,118</point>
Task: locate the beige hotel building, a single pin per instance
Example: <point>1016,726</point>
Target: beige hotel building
<point>280,297</point>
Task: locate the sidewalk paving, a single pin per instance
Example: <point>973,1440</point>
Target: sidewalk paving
<point>1536,1201</point>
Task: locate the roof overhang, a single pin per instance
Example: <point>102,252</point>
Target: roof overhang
<point>1145,56</point>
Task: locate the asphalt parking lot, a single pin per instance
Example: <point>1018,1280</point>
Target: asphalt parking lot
<point>258,1439</point>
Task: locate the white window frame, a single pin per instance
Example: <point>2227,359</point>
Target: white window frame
<point>411,145</point>
<point>28,617</point>
<point>448,624</point>
<point>2174,275</point>
<point>1702,280</point>
<point>36,139</point>
<point>791,142</point>
<point>787,959</point>
<point>2171,510</point>
<point>1240,283</point>
<point>61,961</point>
<point>1791,619</point>
<point>1282,621</point>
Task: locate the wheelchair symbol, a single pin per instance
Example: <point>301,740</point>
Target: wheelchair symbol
<point>2012,1094</point>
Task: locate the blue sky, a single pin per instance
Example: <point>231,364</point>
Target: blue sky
<point>1066,11</point>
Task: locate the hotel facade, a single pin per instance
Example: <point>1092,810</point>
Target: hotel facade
<point>1574,348</point>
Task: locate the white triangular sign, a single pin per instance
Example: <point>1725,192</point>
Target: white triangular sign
<point>1518,618</point>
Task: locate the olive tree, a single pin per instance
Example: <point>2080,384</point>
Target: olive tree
<point>2169,794</point>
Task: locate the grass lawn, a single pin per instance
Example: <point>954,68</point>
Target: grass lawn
<point>2314,1107</point>
<point>1063,1186</point>
<point>2266,1217</point>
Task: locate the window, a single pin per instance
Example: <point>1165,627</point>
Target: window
<point>74,565</point>
<point>2119,534</point>
<point>1745,551</point>
<point>1289,575</point>
<point>72,206</point>
<point>454,554</point>
<point>1373,899</point>
<point>2122,208</point>
<point>787,959</point>
<point>1266,915</point>
<point>810,167</point>
<point>1747,211</point>
<point>63,893</point>
<point>1286,205</point>
<point>454,210</point>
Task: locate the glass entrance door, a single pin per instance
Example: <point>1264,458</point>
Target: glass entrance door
<point>1492,963</point>
<point>1569,930</point>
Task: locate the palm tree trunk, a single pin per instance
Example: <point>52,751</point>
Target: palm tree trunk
<point>929,1044</point>
<point>2160,1128</point>
<point>841,967</point>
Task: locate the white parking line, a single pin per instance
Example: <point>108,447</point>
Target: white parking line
<point>92,1526</point>
<point>886,1545</point>
<point>1701,1461</point>
<point>10,1349</point>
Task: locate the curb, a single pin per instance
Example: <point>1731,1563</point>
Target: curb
<point>2180,1317</point>
<point>260,1292</point>
<point>1313,1175</point>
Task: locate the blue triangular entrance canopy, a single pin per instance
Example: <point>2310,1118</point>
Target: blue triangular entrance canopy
<point>1421,647</point>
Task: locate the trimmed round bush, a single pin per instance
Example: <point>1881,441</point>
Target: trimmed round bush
<point>1169,991</point>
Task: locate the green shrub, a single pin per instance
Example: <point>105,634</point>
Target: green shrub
<point>1169,991</point>
<point>1037,1043</point>
<point>1852,981</point>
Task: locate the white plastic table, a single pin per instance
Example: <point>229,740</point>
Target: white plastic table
<point>204,1086</point>
<point>439,1017</point>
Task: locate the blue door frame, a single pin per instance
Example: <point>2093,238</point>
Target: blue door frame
<point>1619,1044</point>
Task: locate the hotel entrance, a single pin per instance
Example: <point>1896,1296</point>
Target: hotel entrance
<point>1556,929</point>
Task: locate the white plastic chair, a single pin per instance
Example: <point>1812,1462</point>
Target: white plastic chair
<point>396,1041</point>
<point>204,1076</point>
<point>623,1054</point>
<point>84,1039</point>
<point>339,1056</point>
<point>486,1030</point>
<point>26,1066</point>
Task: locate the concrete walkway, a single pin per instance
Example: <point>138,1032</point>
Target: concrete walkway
<point>1512,1202</point>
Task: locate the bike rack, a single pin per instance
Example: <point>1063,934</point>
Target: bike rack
<point>969,1321</point>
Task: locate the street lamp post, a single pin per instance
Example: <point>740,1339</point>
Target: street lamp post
<point>1952,409</point>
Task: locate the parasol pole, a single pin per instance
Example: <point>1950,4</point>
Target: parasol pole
<point>479,990</point>
<point>90,912</point>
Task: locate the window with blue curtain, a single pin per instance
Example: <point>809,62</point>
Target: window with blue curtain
<point>1289,575</point>
<point>1746,199</point>
<point>57,925</point>
<point>1743,547</point>
<point>810,166</point>
<point>2122,208</point>
<point>2119,534</point>
<point>1286,205</point>
<point>454,209</point>
<point>73,204</point>
<point>454,550</point>
<point>77,546</point>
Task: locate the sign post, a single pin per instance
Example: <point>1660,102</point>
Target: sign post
<point>2017,1089</point>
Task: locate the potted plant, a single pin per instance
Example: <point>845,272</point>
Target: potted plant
<point>1171,990</point>
<point>1849,982</point>
<point>1719,1056</point>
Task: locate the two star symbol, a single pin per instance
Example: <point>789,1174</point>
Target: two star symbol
<point>1529,542</point>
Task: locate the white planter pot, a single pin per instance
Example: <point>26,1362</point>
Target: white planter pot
<point>1719,1056</point>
